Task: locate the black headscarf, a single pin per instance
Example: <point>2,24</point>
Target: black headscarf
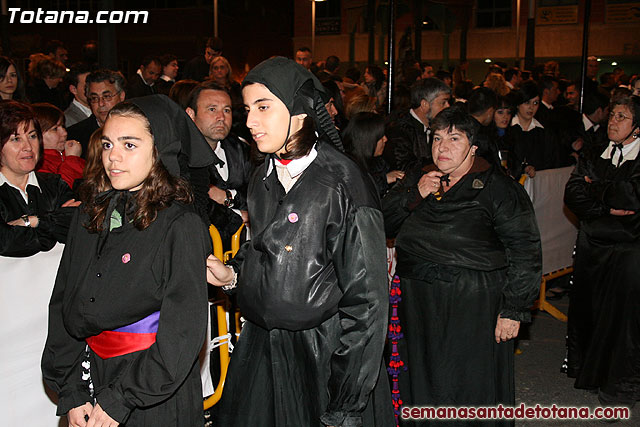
<point>174,133</point>
<point>299,90</point>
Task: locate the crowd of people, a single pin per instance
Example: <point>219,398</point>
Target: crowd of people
<point>128,173</point>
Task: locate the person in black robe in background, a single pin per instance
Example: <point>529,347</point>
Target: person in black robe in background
<point>128,313</point>
<point>532,147</point>
<point>604,319</point>
<point>469,265</point>
<point>312,280</point>
<point>35,208</point>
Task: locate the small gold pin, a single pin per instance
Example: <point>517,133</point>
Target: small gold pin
<point>288,248</point>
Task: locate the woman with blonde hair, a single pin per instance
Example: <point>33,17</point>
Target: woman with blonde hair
<point>46,75</point>
<point>497,83</point>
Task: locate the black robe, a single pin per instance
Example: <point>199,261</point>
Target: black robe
<point>104,283</point>
<point>462,261</point>
<point>536,147</point>
<point>408,145</point>
<point>313,287</point>
<point>53,220</point>
<point>604,319</point>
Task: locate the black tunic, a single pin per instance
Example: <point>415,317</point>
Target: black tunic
<point>462,261</point>
<point>101,290</point>
<point>536,147</point>
<point>604,319</point>
<point>312,284</point>
<point>53,220</point>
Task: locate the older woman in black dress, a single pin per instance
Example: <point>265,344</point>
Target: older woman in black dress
<point>469,262</point>
<point>604,319</point>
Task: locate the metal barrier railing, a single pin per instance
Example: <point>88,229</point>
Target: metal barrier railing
<point>222,310</point>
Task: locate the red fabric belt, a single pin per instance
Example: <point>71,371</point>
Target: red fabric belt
<point>111,343</point>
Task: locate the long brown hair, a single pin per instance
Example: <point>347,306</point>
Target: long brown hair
<point>158,191</point>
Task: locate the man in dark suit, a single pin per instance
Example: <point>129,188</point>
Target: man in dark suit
<point>104,89</point>
<point>210,109</point>
<point>142,83</point>
<point>198,67</point>
<point>408,143</point>
<point>549,91</point>
<point>79,108</point>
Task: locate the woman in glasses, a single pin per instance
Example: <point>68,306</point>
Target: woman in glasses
<point>604,321</point>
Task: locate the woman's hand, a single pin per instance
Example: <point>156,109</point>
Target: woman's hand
<point>218,274</point>
<point>72,148</point>
<point>530,170</point>
<point>99,418</point>
<point>620,212</point>
<point>393,176</point>
<point>76,416</point>
<point>506,329</point>
<point>71,203</point>
<point>429,183</point>
<point>33,222</point>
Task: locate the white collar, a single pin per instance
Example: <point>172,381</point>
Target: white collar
<point>167,78</point>
<point>143,80</point>
<point>534,123</point>
<point>415,116</point>
<point>549,106</point>
<point>509,85</point>
<point>299,165</point>
<point>32,180</point>
<point>588,124</point>
<point>85,110</point>
<point>629,152</point>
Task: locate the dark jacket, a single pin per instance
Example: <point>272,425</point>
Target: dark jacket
<point>408,144</point>
<point>318,253</point>
<point>137,88</point>
<point>485,222</point>
<point>239,167</point>
<point>536,147</point>
<point>53,220</point>
<point>82,131</point>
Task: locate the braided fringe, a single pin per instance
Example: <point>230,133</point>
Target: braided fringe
<point>395,334</point>
<point>326,124</point>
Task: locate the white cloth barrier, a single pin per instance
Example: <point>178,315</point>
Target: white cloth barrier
<point>556,223</point>
<point>25,289</point>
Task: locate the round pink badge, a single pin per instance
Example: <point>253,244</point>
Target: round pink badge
<point>126,258</point>
<point>293,217</point>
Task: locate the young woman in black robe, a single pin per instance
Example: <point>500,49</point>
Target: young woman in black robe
<point>469,262</point>
<point>604,314</point>
<point>128,313</point>
<point>311,282</point>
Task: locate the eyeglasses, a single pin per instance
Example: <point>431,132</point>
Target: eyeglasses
<point>106,97</point>
<point>618,117</point>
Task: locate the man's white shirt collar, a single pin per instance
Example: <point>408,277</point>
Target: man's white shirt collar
<point>85,110</point>
<point>588,124</point>
<point>549,106</point>
<point>415,116</point>
<point>144,81</point>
